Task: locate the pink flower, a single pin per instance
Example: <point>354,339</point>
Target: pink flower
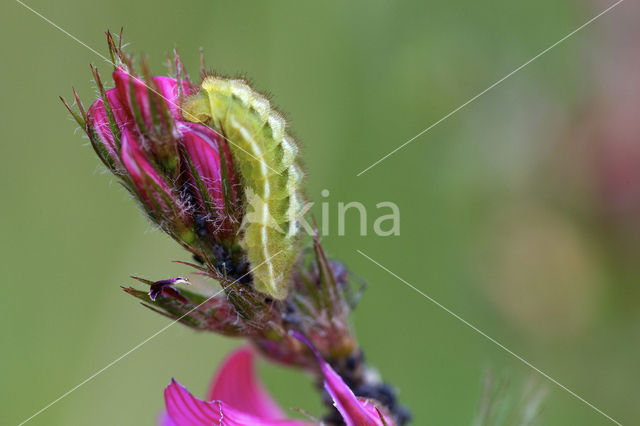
<point>182,172</point>
<point>237,398</point>
<point>133,103</point>
<point>132,106</point>
<point>121,128</point>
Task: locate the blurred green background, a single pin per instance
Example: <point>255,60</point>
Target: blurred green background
<point>520,213</point>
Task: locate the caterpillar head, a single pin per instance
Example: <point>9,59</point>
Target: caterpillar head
<point>195,108</point>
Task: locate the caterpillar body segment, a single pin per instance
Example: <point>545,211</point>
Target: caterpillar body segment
<point>265,156</point>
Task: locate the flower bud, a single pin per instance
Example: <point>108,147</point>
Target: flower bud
<point>103,123</point>
<point>181,172</point>
<point>211,174</point>
<point>150,185</point>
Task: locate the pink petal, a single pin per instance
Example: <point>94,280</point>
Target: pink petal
<point>122,115</point>
<point>186,410</point>
<point>124,84</point>
<point>165,420</point>
<point>375,411</point>
<point>168,89</point>
<point>236,384</point>
<point>201,144</point>
<point>99,122</point>
<point>355,411</point>
<point>146,179</point>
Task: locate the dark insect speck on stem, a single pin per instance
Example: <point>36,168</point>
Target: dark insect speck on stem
<point>200,225</point>
<point>290,314</point>
<point>353,360</point>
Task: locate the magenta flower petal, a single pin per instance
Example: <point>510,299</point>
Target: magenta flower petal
<point>236,384</point>
<point>121,114</point>
<point>201,144</point>
<point>150,185</point>
<point>165,420</point>
<point>99,122</point>
<point>355,411</point>
<point>186,410</point>
<point>168,89</point>
<point>140,101</point>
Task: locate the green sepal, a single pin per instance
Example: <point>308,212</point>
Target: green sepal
<point>328,285</point>
<point>201,313</point>
<point>101,150</point>
<point>225,181</point>
<point>168,306</point>
<point>80,120</point>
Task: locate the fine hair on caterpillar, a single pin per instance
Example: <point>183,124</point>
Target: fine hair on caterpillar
<point>265,154</point>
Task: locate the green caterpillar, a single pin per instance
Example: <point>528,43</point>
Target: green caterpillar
<point>265,155</point>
